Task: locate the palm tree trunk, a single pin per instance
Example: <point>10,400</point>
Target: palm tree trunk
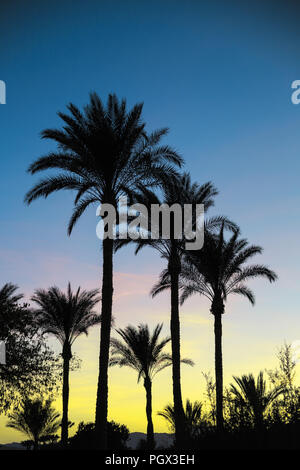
<point>219,369</point>
<point>36,444</point>
<point>175,343</point>
<point>65,394</point>
<point>106,315</point>
<point>150,431</point>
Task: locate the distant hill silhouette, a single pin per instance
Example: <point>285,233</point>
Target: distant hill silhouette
<point>163,440</point>
<point>12,446</point>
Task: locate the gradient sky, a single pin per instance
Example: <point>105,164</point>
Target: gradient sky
<point>219,75</point>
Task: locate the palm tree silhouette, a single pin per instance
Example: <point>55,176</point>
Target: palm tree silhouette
<point>103,153</point>
<point>8,296</point>
<point>176,190</point>
<point>254,395</point>
<point>66,316</point>
<point>11,316</point>
<point>215,272</point>
<point>192,412</point>
<point>35,418</point>
<point>143,352</point>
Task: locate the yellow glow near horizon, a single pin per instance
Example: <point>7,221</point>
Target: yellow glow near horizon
<point>127,397</point>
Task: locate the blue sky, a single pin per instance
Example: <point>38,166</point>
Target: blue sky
<point>218,74</point>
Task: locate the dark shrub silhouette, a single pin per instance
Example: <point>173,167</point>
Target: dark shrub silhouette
<point>117,435</point>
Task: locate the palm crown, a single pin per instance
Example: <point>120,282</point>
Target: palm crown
<point>66,316</point>
<point>254,395</point>
<point>8,296</point>
<point>104,152</point>
<point>140,350</point>
<point>219,268</point>
<point>193,415</point>
<point>35,418</point>
<point>177,189</point>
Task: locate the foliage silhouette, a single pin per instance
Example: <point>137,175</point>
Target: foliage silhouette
<point>194,418</point>
<point>31,366</point>
<point>35,418</point>
<point>254,395</point>
<point>85,436</point>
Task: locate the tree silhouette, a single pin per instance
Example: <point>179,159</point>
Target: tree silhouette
<point>177,190</point>
<point>143,352</point>
<point>31,367</point>
<point>35,418</point>
<point>254,395</point>
<point>193,416</point>
<point>11,313</point>
<point>8,296</point>
<point>215,272</point>
<point>66,316</point>
<point>103,153</point>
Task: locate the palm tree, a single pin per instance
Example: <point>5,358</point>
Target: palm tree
<point>66,316</point>
<point>11,316</point>
<point>103,153</point>
<point>143,352</point>
<point>215,272</point>
<point>35,418</point>
<point>176,190</point>
<point>193,416</point>
<point>255,396</point>
<point>8,296</point>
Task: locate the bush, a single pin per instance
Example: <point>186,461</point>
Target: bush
<point>117,435</point>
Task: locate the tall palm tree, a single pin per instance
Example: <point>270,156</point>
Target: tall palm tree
<point>103,153</point>
<point>143,352</point>
<point>66,316</point>
<point>215,272</point>
<point>35,418</point>
<point>254,395</point>
<point>193,416</point>
<point>176,190</point>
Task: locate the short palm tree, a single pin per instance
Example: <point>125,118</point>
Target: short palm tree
<point>8,297</point>
<point>13,316</point>
<point>103,153</point>
<point>193,416</point>
<point>66,316</point>
<point>177,190</point>
<point>217,271</point>
<point>143,352</point>
<point>254,395</point>
<point>35,418</point>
